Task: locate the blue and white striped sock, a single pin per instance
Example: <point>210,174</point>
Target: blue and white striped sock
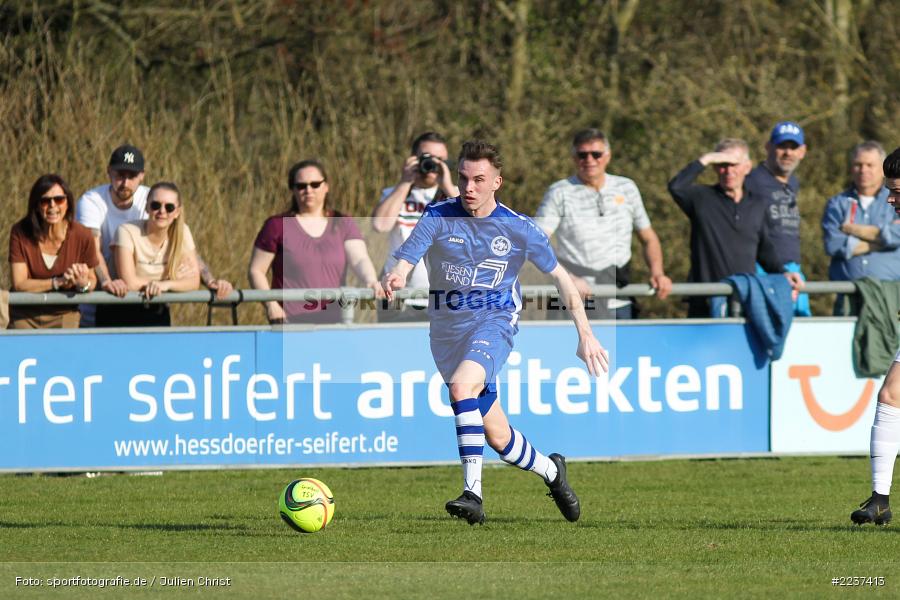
<point>520,453</point>
<point>470,440</point>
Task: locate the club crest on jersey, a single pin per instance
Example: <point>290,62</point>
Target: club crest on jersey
<point>501,245</point>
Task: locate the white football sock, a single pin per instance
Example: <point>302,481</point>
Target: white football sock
<point>884,444</point>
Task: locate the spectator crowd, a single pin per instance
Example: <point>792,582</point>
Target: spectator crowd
<point>123,236</point>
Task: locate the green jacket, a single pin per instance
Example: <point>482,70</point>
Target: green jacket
<point>877,333</point>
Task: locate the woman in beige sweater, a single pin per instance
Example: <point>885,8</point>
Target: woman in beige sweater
<point>152,257</point>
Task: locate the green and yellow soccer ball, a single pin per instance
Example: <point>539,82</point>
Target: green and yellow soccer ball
<point>307,505</point>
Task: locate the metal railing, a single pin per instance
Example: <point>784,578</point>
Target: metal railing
<point>350,297</point>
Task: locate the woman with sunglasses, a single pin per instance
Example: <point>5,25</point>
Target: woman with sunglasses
<point>309,246</point>
<point>50,252</point>
<point>153,256</point>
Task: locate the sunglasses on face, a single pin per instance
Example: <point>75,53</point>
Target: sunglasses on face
<point>595,153</point>
<point>302,185</point>
<point>156,205</point>
<point>57,200</point>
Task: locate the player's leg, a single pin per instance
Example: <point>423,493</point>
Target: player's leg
<point>885,442</point>
<point>515,449</point>
<point>466,385</point>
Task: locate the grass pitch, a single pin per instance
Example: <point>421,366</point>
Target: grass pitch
<point>707,528</point>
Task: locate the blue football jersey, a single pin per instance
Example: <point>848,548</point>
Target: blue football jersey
<point>474,263</point>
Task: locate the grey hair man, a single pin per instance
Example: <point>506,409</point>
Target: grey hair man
<point>859,227</point>
<point>729,231</point>
<point>593,214</point>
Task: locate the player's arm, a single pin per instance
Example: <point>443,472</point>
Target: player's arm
<point>589,349</point>
<point>411,252</point>
<point>395,279</point>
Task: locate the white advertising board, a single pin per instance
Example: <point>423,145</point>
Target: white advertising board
<point>818,402</point>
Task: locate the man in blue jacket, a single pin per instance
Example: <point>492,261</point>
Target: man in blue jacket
<point>860,230</point>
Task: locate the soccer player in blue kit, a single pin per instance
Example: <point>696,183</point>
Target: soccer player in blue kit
<point>474,248</point>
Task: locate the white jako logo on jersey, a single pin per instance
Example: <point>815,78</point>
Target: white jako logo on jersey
<point>501,245</point>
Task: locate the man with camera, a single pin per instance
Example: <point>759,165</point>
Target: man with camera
<point>424,178</point>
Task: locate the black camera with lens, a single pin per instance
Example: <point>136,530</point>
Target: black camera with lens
<point>428,164</point>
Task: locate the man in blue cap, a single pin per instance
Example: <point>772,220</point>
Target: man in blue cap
<point>773,180</point>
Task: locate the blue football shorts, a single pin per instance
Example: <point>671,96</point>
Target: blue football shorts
<point>488,344</point>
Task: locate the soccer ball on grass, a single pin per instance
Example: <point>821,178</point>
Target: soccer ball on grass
<point>307,505</point>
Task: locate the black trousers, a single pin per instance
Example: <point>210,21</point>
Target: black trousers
<point>133,315</point>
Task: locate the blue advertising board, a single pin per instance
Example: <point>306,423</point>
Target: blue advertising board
<point>364,395</point>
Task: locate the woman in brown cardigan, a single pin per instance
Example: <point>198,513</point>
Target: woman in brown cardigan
<point>48,252</point>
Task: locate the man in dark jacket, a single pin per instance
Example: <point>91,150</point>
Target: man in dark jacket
<point>773,181</point>
<point>728,234</point>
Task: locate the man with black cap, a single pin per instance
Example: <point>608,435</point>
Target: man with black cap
<point>773,181</point>
<point>103,208</point>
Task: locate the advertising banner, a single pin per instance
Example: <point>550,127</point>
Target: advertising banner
<point>818,403</point>
<point>363,395</point>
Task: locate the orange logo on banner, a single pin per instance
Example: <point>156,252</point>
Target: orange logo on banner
<point>805,373</point>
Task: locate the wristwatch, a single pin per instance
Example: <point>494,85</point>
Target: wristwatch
<point>54,283</point>
<point>85,288</point>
